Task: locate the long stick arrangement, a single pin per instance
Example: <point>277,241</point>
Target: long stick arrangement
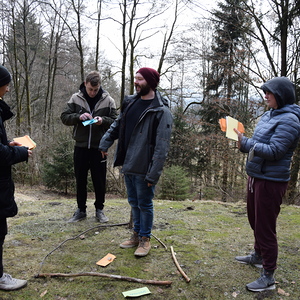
<point>131,279</point>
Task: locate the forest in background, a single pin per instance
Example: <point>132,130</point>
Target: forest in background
<point>212,62</point>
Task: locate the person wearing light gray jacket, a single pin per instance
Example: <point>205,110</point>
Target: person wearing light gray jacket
<point>268,166</point>
<point>94,105</point>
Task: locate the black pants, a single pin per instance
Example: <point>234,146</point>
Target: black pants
<point>3,232</point>
<point>85,160</point>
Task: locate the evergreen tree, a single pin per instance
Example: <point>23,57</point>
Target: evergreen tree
<point>58,170</point>
<point>227,89</point>
<point>175,184</point>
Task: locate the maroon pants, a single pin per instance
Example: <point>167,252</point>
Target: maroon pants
<point>264,198</point>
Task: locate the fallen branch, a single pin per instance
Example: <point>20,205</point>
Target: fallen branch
<point>159,241</point>
<point>178,267</point>
<point>131,279</point>
<point>73,238</point>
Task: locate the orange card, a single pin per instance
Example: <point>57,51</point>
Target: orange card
<point>223,126</point>
<point>107,259</point>
<point>26,141</point>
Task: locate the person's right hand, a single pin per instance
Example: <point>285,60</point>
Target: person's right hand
<point>29,153</point>
<point>104,154</point>
<point>85,116</point>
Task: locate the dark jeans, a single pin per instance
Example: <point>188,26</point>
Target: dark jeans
<point>264,198</point>
<point>3,232</point>
<point>140,199</point>
<point>85,160</point>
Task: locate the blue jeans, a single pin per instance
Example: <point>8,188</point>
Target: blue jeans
<point>140,199</point>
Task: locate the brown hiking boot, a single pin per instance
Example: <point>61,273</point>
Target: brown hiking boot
<point>143,247</point>
<point>132,242</point>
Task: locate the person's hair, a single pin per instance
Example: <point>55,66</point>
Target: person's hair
<point>94,78</point>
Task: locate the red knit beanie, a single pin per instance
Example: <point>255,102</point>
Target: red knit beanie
<point>151,76</point>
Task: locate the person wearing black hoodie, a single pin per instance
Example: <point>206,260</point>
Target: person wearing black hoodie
<point>94,104</point>
<point>268,167</point>
<point>10,153</point>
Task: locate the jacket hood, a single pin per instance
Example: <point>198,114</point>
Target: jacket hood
<point>283,90</point>
<point>289,108</point>
<point>159,100</point>
<point>82,89</point>
<point>5,111</point>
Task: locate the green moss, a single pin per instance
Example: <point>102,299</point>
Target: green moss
<point>205,239</point>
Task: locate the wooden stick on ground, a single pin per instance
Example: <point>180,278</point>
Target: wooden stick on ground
<point>75,237</point>
<point>144,281</point>
<point>178,267</point>
<point>159,241</point>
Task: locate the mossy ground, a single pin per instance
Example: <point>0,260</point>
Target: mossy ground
<point>205,235</point>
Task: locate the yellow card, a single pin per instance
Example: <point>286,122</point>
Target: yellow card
<point>106,260</point>
<point>231,123</point>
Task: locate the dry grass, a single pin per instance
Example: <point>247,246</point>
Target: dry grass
<point>206,236</point>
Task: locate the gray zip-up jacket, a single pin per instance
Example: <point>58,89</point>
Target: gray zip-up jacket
<point>89,136</point>
<point>149,143</point>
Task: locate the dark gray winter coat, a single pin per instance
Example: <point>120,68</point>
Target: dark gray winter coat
<point>149,143</point>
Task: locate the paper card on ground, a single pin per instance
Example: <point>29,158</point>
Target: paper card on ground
<point>137,292</point>
<point>26,141</point>
<point>107,259</point>
<point>89,122</point>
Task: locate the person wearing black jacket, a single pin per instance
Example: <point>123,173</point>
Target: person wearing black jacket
<point>10,153</point>
<point>143,130</point>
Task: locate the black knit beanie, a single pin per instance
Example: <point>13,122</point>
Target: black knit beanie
<point>5,77</point>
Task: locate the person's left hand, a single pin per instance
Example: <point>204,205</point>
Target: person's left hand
<point>240,136</point>
<point>99,120</point>
<point>13,143</point>
<point>104,154</point>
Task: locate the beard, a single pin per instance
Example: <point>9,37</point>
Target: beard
<point>144,89</point>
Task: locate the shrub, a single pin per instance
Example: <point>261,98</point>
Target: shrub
<point>58,170</point>
<point>175,184</point>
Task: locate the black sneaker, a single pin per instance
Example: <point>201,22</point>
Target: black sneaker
<point>265,282</point>
<point>252,259</point>
<point>78,216</point>
<point>100,216</point>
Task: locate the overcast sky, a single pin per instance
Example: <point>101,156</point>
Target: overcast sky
<point>111,38</point>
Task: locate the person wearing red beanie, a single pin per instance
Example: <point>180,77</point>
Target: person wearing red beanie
<point>151,76</point>
<point>143,130</point>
